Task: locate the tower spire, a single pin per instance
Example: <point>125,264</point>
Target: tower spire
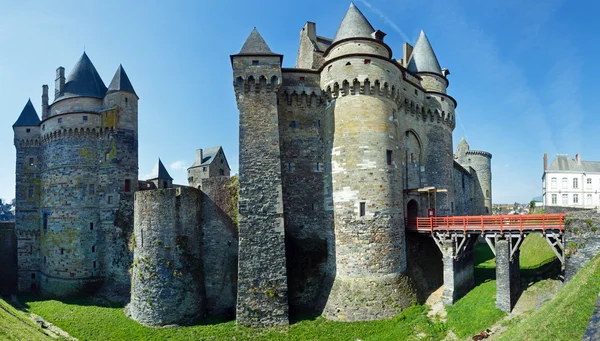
<point>255,44</point>
<point>354,25</point>
<point>28,117</point>
<point>120,82</point>
<point>423,58</point>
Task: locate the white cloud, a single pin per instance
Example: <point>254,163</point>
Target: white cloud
<point>178,165</point>
<point>385,19</point>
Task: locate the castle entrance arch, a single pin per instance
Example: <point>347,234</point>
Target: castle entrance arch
<point>412,209</point>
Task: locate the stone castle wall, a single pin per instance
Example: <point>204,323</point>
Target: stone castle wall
<point>167,275</point>
<point>8,258</point>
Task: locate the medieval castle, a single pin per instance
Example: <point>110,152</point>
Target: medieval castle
<point>335,154</point>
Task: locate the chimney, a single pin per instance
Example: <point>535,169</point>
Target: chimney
<point>44,102</point>
<point>578,159</point>
<point>59,84</point>
<point>311,31</point>
<point>407,52</point>
<point>199,157</point>
<point>545,161</point>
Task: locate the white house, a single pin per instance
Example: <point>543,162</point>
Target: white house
<point>571,182</point>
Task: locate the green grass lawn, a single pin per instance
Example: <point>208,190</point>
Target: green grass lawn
<point>86,320</point>
<point>16,325</point>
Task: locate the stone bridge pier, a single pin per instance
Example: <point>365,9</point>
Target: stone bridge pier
<point>508,275</point>
<point>457,254</point>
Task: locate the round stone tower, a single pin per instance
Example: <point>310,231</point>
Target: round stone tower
<point>366,178</point>
<point>438,109</point>
<point>69,204</point>
<point>167,285</point>
<point>481,162</point>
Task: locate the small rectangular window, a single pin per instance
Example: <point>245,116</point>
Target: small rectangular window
<point>94,264</point>
<point>30,192</point>
<point>85,118</point>
<point>575,183</point>
<point>553,183</point>
<point>127,185</point>
<point>416,92</point>
<point>31,161</point>
<point>255,62</point>
<point>92,226</point>
<point>576,198</point>
<point>221,172</point>
<point>60,120</point>
<point>302,79</point>
<point>362,209</point>
<point>565,199</point>
<point>388,155</point>
<point>565,183</point>
<point>329,67</point>
<point>367,61</point>
<point>110,199</point>
<point>91,189</point>
<point>28,130</point>
<point>62,251</point>
<point>554,200</point>
<point>106,157</point>
<point>45,221</point>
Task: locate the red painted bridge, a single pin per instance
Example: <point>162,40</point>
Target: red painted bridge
<point>513,224</point>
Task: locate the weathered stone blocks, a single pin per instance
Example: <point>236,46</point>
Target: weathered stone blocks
<point>508,276</point>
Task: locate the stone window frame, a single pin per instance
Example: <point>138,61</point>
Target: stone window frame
<point>31,160</point>
<point>389,157</point>
<point>127,186</point>
<point>362,209</point>
<point>30,192</point>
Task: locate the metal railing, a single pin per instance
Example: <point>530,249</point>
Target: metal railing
<point>488,223</point>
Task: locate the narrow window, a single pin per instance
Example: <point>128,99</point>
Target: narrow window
<point>290,166</point>
<point>319,123</point>
<point>416,92</point>
<point>45,260</point>
<point>106,157</point>
<point>367,61</point>
<point>45,221</point>
<point>329,67</point>
<point>487,193</point>
<point>576,198</point>
<point>92,226</point>
<point>110,199</point>
<point>32,276</point>
<point>554,199</point>
<point>255,62</point>
<point>442,99</point>
<point>221,160</point>
<point>565,199</point>
<point>31,161</point>
<point>30,192</point>
<point>463,181</point>
<point>362,209</point>
<point>127,185</point>
<point>85,118</point>
<point>43,127</point>
<point>126,102</point>
<point>165,184</point>
<point>553,183</point>
<point>204,169</point>
<point>28,130</point>
<point>565,183</point>
<point>94,264</point>
<point>62,251</point>
<point>93,248</point>
<point>91,189</point>
<point>60,120</point>
<point>452,207</point>
<point>389,157</point>
<point>221,172</point>
<point>575,183</point>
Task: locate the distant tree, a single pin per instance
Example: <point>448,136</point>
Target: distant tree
<point>516,206</point>
<point>531,206</point>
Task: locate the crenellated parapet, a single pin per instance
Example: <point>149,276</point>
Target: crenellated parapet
<point>19,143</point>
<point>479,153</point>
<point>256,83</point>
<point>303,98</point>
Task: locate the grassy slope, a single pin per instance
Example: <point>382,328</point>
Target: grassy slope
<point>90,322</point>
<point>566,316</point>
<point>535,252</point>
<point>15,325</point>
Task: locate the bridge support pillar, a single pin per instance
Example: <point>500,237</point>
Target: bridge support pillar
<point>508,276</point>
<point>457,253</point>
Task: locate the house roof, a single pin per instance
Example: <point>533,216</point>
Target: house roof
<point>160,172</point>
<point>209,155</point>
<point>354,25</point>
<point>562,162</point>
<point>84,81</point>
<point>423,58</point>
<point>120,82</point>
<point>28,117</point>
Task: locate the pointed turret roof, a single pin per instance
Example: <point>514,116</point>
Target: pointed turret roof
<point>255,44</point>
<point>120,82</point>
<point>28,117</point>
<point>463,142</point>
<point>160,172</point>
<point>423,58</point>
<point>354,25</point>
<point>84,80</point>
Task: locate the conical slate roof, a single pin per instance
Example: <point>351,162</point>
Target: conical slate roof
<point>160,172</point>
<point>255,44</point>
<point>463,142</point>
<point>354,25</point>
<point>28,117</point>
<point>84,80</point>
<point>120,82</point>
<point>423,58</point>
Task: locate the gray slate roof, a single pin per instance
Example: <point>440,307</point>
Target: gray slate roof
<point>323,43</point>
<point>28,117</point>
<point>208,156</point>
<point>423,58</point>
<point>120,82</point>
<point>463,142</point>
<point>160,172</point>
<point>255,44</point>
<point>354,25</point>
<point>84,80</point>
<point>562,162</point>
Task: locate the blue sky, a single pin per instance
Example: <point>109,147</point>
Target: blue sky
<point>520,70</point>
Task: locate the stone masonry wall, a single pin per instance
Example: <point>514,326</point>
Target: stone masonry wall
<point>8,258</point>
<point>167,286</point>
<point>262,277</point>
<point>582,238</point>
<point>220,248</point>
<point>309,232</point>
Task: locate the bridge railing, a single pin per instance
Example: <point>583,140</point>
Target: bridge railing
<point>488,223</point>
